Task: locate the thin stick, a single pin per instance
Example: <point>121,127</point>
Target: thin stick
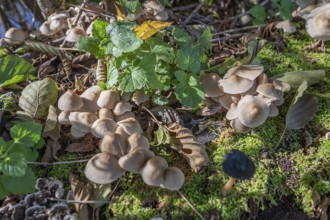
<point>57,163</point>
<point>240,29</point>
<point>193,13</point>
<point>79,201</point>
<point>185,7</point>
<point>191,205</point>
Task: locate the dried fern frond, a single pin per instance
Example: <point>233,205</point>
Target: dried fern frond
<point>44,48</point>
<point>101,71</point>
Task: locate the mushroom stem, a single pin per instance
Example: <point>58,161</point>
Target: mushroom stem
<point>228,186</point>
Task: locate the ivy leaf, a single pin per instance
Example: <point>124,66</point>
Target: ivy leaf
<point>188,59</point>
<point>27,133</point>
<point>162,50</point>
<point>149,28</point>
<point>99,27</point>
<point>91,45</point>
<point>14,69</point>
<point>19,185</point>
<point>259,14</point>
<point>13,165</point>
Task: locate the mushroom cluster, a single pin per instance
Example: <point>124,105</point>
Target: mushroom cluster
<point>248,95</point>
<point>156,9</point>
<point>108,115</point>
<point>37,205</point>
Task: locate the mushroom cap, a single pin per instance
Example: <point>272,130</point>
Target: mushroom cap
<point>106,113</point>
<point>238,126</point>
<point>154,5</point>
<point>153,171</point>
<point>124,116</point>
<point>250,72</point>
<point>130,126</point>
<point>162,16</point>
<point>90,96</point>
<point>269,91</point>
<point>304,3</point>
<point>121,107</point>
<point>108,99</point>
<point>318,23</point>
<point>14,36</point>
<point>74,34</point>
<point>82,120</point>
<point>63,118</point>
<point>137,140</point>
<point>60,15</point>
<point>210,85</point>
<point>103,168</point>
<point>263,78</point>
<point>232,112</point>
<point>273,110</point>
<point>57,25</point>
<point>235,84</point>
<point>77,133</point>
<point>70,101</point>
<point>237,165</point>
<point>120,130</point>
<point>252,111</point>
<point>226,100</point>
<point>135,160</point>
<point>287,26</point>
<point>139,97</point>
<point>126,96</point>
<point>113,144</point>
<point>103,126</point>
<point>173,179</point>
<point>280,86</point>
<point>46,30</point>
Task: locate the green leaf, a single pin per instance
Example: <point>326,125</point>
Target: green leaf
<point>159,99</point>
<point>300,91</point>
<point>147,66</point>
<point>27,133</point>
<point>30,153</point>
<point>131,5</point>
<point>3,145</point>
<point>112,73</point>
<point>204,42</point>
<point>122,36</point>
<point>13,165</point>
<point>259,14</point>
<point>132,80</point>
<point>19,185</point>
<point>165,2</point>
<point>99,27</point>
<point>14,69</point>
<point>91,45</point>
<point>181,37</point>
<point>162,50</point>
<point>294,79</point>
<point>162,136</point>
<point>3,191</point>
<point>188,59</point>
<point>38,96</point>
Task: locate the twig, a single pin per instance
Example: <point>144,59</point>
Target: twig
<point>240,29</point>
<point>184,7</point>
<point>191,205</point>
<point>193,13</point>
<point>79,201</point>
<point>57,163</point>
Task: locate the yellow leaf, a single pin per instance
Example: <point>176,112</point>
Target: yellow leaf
<point>149,28</point>
<point>120,14</point>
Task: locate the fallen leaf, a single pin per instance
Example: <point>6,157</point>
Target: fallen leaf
<point>52,148</point>
<point>120,14</point>
<point>52,126</point>
<point>80,147</point>
<point>149,28</point>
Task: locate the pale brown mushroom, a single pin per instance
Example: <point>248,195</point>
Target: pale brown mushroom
<point>268,91</point>
<point>153,171</point>
<point>238,126</point>
<point>232,112</point>
<point>90,97</point>
<point>226,100</point>
<point>121,107</point>
<point>70,101</point>
<point>126,96</point>
<point>130,125</point>
<point>235,84</point>
<point>173,179</point>
<point>124,116</point>
<point>210,85</point>
<point>46,30</point>
<point>82,120</point>
<point>14,36</point>
<point>139,97</point>
<point>137,140</point>
<point>103,126</point>
<point>250,72</point>
<point>135,160</point>
<point>76,132</point>
<point>120,130</point>
<point>273,110</point>
<point>74,33</point>
<point>63,118</point>
<point>108,99</point>
<point>103,168</point>
<point>113,144</point>
<point>106,113</point>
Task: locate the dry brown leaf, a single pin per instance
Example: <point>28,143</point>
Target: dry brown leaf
<point>52,148</point>
<point>79,147</point>
<point>52,127</point>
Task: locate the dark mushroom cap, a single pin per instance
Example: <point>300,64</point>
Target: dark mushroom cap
<point>237,165</point>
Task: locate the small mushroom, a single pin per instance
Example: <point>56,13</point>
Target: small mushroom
<point>135,160</point>
<point>153,171</point>
<point>82,120</point>
<point>70,101</point>
<point>287,26</point>
<point>103,126</point>
<point>124,116</point>
<point>210,85</point>
<point>273,110</point>
<point>74,33</point>
<point>14,36</point>
<point>130,125</point>
<point>238,166</point>
<point>113,144</point>
<point>63,118</point>
<point>122,107</point>
<point>317,24</point>
<point>58,25</point>
<point>232,112</point>
<point>108,99</point>
<point>76,133</point>
<point>121,131</point>
<point>235,84</point>
<point>250,72</point>
<point>173,179</point>
<point>226,100</point>
<point>139,97</point>
<point>46,30</point>
<point>103,168</point>
<point>269,91</point>
<point>137,140</point>
<point>90,97</point>
<point>126,96</point>
<point>106,113</point>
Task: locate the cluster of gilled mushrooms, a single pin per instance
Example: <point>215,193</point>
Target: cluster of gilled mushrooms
<point>248,95</point>
<point>37,205</point>
<point>109,116</point>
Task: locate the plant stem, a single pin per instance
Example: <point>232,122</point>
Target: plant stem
<point>57,163</point>
<point>228,186</point>
<point>191,205</point>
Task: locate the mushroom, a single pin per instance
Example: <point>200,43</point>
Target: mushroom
<point>122,107</point>
<point>14,36</point>
<point>103,126</point>
<point>210,85</point>
<point>269,91</point>
<point>232,112</point>
<point>238,166</point>
<point>113,144</point>
<point>305,3</point>
<point>106,113</point>
<point>238,126</point>
<point>139,97</point>
<point>90,97</point>
<point>153,171</point>
<point>108,99</point>
<point>46,30</point>
<point>103,168</point>
<point>124,116</point>
<point>74,33</point>
<point>252,111</point>
<point>235,84</point>
<point>120,130</point>
<point>57,25</point>
<point>173,179</point>
<point>273,110</point>
<point>226,100</point>
<point>70,101</point>
<point>126,96</point>
<point>135,160</point>
<point>137,140</point>
<point>130,126</point>
<point>287,26</point>
<point>250,72</point>
<point>63,118</point>
<point>82,120</point>
<point>76,133</point>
